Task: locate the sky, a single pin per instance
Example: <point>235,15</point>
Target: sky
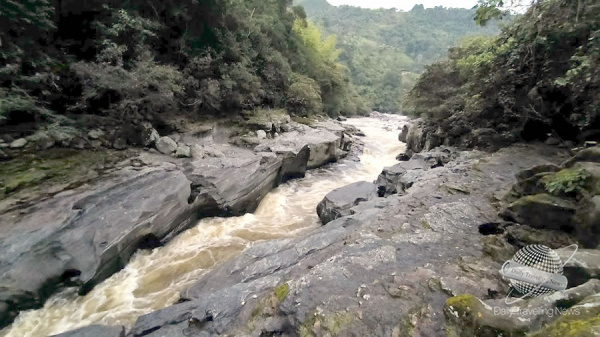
<point>404,5</point>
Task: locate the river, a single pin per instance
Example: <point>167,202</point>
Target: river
<point>153,279</point>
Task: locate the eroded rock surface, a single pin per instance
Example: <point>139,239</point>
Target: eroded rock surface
<point>81,236</point>
<point>339,202</point>
<point>381,271</point>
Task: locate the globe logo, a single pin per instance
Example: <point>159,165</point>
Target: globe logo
<point>534,271</point>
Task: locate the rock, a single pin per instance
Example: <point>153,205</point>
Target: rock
<point>81,143</point>
<point>176,137</point>
<point>213,152</point>
<point>42,140</point>
<point>63,135</point>
<point>285,128</point>
<point>149,136</point>
<point>581,320</point>
<point>542,211</point>
<point>324,146</point>
<point>590,144</point>
<point>96,144</point>
<point>95,134</point>
<point>530,180</point>
<point>534,171</point>
<point>341,118</point>
<point>437,157</point>
<point>588,222</point>
<point>552,141</point>
<point>197,151</point>
<point>88,233</point>
<point>403,134</point>
<point>235,185</point>
<point>338,203</point>
<point>18,143</point>
<point>582,267</point>
<point>95,331</point>
<point>469,316</point>
<point>403,156</point>
<point>261,134</point>
<point>503,246</point>
<point>183,151</point>
<point>392,180</point>
<point>591,154</point>
<point>166,145</point>
<point>3,155</point>
<point>294,164</point>
<point>415,136</point>
<point>120,144</point>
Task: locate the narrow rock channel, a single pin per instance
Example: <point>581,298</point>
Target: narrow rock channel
<point>153,279</point>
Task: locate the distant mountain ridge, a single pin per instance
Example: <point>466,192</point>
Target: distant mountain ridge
<point>385,50</point>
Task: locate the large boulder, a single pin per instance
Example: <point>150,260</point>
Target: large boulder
<point>149,136</point>
<point>183,151</point>
<point>82,236</point>
<point>542,211</point>
<point>416,136</point>
<point>339,202</point>
<point>402,136</point>
<point>394,179</point>
<point>235,184</point>
<point>323,145</point>
<point>166,145</point>
<point>591,154</point>
<point>18,143</point>
<point>582,266</point>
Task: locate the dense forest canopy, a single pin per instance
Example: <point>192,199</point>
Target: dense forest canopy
<point>540,76</point>
<point>385,50</point>
<point>130,60</point>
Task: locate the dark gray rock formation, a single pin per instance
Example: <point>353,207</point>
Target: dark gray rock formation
<point>403,135</point>
<point>398,178</point>
<point>339,202</point>
<point>82,236</point>
<point>95,331</point>
<point>386,269</point>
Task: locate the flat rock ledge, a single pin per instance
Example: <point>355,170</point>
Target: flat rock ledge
<point>81,236</point>
<point>384,270</point>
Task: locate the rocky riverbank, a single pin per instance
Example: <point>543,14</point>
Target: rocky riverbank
<point>415,253</point>
<point>387,262</point>
<point>81,231</point>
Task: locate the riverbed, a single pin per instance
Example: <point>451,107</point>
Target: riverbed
<point>154,278</point>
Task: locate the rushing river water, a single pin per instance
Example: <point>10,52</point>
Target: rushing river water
<point>153,279</point>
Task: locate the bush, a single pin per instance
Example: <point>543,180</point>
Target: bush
<point>17,106</point>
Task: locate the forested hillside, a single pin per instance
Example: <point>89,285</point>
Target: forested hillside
<point>540,77</point>
<point>385,50</point>
<point>140,60</point>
